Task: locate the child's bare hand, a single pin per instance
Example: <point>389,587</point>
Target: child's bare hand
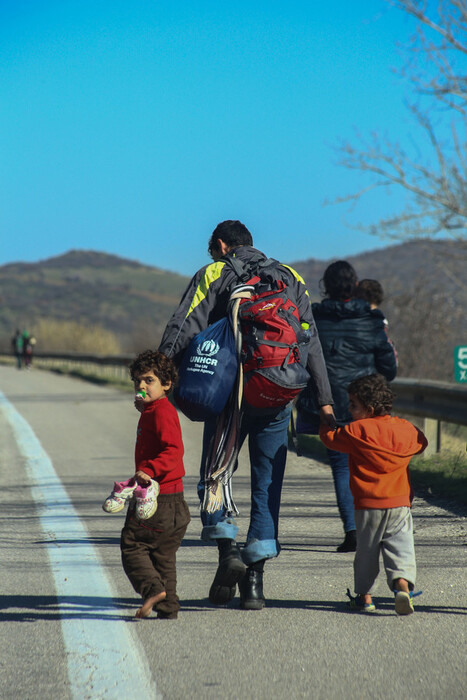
<point>142,478</point>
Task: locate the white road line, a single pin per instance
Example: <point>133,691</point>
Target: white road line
<point>103,657</point>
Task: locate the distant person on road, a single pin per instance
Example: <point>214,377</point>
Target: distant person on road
<point>17,346</point>
<point>28,346</point>
<point>204,302</point>
<point>158,515</point>
<point>354,344</point>
<point>379,447</point>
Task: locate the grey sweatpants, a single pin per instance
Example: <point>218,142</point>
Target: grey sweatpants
<point>389,531</point>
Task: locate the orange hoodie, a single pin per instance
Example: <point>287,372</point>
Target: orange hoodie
<point>379,450</point>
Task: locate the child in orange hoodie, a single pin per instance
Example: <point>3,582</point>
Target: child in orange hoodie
<point>380,447</point>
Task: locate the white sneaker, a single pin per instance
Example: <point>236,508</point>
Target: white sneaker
<point>146,500</point>
<point>123,491</point>
<point>404,603</point>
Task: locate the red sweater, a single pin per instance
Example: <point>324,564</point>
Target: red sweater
<point>379,452</point>
<point>159,445</point>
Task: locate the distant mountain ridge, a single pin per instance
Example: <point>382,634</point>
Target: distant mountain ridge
<point>93,288</point>
<point>424,282</point>
<point>400,266</point>
<point>76,258</point>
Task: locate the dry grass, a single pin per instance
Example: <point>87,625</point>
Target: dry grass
<point>66,336</point>
<point>445,473</point>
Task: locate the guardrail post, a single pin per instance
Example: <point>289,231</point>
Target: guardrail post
<point>432,429</point>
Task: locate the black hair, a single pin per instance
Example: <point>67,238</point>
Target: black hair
<point>233,233</point>
<point>339,280</point>
<point>374,392</point>
<point>370,291</point>
<point>154,361</point>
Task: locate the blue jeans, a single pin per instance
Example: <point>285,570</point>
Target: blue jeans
<point>340,472</point>
<point>267,444</point>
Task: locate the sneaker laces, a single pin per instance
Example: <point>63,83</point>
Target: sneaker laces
<point>411,594</point>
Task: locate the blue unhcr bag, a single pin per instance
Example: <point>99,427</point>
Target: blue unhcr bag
<point>207,373</point>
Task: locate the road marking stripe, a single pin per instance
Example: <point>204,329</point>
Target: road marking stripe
<point>103,658</point>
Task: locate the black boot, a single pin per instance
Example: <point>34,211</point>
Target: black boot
<point>350,542</point>
<point>251,588</point>
<point>229,572</point>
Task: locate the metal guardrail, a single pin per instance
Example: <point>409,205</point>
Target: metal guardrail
<point>112,360</point>
<point>109,366</point>
<point>433,401</point>
<point>430,399</point>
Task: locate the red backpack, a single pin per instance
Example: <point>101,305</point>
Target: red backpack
<point>274,342</point>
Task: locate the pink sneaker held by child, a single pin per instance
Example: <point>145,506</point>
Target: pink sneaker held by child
<point>146,500</point>
<point>123,492</point>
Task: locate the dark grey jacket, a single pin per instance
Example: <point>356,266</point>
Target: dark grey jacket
<point>205,302</point>
<point>355,343</point>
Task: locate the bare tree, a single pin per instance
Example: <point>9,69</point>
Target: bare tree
<point>425,329</point>
<point>436,189</point>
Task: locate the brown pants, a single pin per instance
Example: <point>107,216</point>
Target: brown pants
<point>149,550</point>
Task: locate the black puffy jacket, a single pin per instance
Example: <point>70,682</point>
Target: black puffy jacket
<point>355,343</point>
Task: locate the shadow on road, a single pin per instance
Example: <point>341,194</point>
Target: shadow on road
<point>31,608</point>
<point>17,608</point>
<point>384,606</point>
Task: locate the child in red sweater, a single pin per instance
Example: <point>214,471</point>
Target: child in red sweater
<point>380,447</point>
<point>149,544</point>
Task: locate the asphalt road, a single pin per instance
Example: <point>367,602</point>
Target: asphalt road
<point>67,608</point>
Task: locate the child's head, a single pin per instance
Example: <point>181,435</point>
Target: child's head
<point>370,396</point>
<point>370,291</point>
<point>153,372</point>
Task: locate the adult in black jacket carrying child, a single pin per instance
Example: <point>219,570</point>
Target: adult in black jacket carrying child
<point>204,302</point>
<point>355,344</point>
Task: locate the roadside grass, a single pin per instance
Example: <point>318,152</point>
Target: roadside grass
<point>444,473</point>
<point>309,446</point>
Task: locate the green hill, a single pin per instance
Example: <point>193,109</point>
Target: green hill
<point>123,296</point>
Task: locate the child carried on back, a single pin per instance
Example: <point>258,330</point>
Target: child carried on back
<point>380,447</point>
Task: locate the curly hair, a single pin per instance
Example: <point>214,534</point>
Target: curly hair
<point>339,281</point>
<point>370,291</point>
<point>154,361</point>
<point>374,392</point>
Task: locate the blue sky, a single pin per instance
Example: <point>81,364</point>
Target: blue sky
<point>134,128</point>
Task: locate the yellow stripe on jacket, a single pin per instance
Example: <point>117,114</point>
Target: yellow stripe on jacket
<point>211,274</point>
<point>298,277</point>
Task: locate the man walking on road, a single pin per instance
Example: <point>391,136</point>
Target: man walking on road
<point>204,302</point>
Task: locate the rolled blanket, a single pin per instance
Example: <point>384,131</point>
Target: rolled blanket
<point>222,457</point>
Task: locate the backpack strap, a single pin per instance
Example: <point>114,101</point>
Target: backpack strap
<point>238,267</point>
